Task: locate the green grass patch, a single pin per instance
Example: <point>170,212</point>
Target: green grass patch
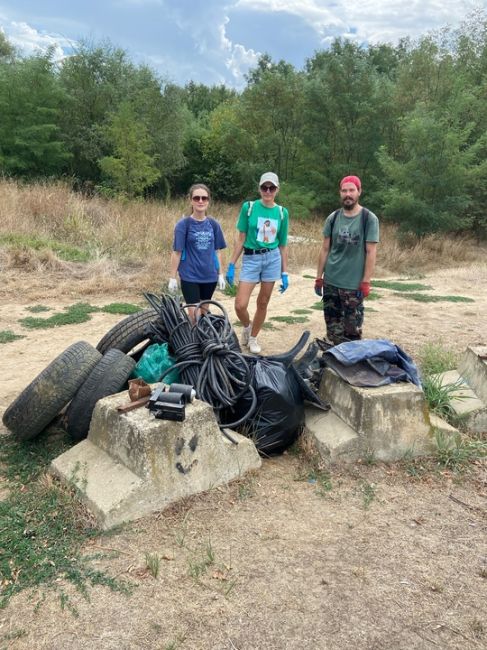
<point>317,305</point>
<point>373,295</point>
<point>289,320</point>
<point>78,313</point>
<point>120,308</point>
<point>439,396</point>
<point>301,311</point>
<point>37,309</point>
<point>456,452</point>
<point>7,336</point>
<point>309,277</point>
<point>398,285</point>
<point>422,297</point>
<point>370,309</point>
<point>42,527</point>
<point>435,358</point>
<point>65,252</point>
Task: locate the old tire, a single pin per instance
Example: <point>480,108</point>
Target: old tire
<point>129,332</point>
<point>50,391</point>
<point>107,377</point>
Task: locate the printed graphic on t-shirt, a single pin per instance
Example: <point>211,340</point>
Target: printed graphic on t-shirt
<point>202,239</point>
<point>346,238</point>
<point>266,230</point>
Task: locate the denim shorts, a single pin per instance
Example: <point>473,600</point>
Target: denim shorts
<point>261,268</point>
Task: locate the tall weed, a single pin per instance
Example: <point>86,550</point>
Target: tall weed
<point>139,233</point>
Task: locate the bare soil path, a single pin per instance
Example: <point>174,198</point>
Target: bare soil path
<point>383,559</point>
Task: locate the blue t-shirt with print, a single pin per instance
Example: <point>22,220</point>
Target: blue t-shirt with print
<point>199,240</point>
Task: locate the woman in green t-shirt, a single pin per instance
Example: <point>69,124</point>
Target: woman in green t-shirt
<point>262,229</point>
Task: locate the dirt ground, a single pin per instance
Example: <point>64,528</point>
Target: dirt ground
<point>382,560</point>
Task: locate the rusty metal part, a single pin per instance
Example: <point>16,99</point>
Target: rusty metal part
<point>130,406</point>
<point>138,388</point>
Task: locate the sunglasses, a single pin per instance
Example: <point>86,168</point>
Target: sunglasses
<point>200,198</point>
<point>268,188</point>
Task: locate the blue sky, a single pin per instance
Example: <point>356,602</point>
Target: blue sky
<point>216,41</point>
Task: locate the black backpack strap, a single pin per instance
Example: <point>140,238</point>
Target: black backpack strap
<point>332,224</point>
<point>365,217</point>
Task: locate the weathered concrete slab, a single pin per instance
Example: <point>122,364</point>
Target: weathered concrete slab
<point>104,483</point>
<point>334,439</point>
<point>470,412</point>
<point>132,464</point>
<point>441,425</point>
<point>473,369</point>
<point>390,420</point>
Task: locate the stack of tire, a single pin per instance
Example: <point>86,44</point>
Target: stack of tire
<point>78,378</point>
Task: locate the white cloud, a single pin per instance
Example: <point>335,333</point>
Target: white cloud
<point>217,55</point>
<point>238,59</point>
<point>138,3</point>
<point>368,20</point>
<point>30,41</point>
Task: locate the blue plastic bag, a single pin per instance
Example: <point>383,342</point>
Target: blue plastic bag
<point>152,364</point>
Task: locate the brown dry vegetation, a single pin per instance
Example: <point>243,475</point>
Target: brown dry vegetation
<point>371,556</point>
<point>129,242</point>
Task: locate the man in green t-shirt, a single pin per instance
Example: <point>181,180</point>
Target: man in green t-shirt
<point>346,263</point>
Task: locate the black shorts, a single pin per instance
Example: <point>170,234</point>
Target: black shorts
<point>197,291</point>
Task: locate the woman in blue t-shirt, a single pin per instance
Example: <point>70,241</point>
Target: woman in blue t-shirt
<point>198,240</point>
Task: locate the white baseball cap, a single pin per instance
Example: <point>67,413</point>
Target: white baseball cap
<point>269,177</point>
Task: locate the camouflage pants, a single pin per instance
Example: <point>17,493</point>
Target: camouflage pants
<point>344,314</point>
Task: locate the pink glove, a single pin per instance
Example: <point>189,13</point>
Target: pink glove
<point>364,288</point>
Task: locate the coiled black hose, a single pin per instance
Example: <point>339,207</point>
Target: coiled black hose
<point>206,354</point>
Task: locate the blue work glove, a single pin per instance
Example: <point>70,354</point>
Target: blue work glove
<point>230,277</point>
<point>284,282</point>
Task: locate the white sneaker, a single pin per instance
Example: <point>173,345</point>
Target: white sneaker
<point>254,346</point>
<point>246,335</point>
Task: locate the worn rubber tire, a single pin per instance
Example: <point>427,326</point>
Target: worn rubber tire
<point>128,333</point>
<point>107,377</point>
<point>50,391</point>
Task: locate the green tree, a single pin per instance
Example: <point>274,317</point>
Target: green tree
<point>131,168</point>
<point>31,142</point>
<point>428,182</point>
<point>94,82</point>
<point>203,100</point>
<point>271,110</point>
<point>349,115</point>
<point>97,79</point>
<point>7,50</point>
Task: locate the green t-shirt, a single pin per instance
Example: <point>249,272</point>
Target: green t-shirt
<point>344,266</point>
<point>264,228</point>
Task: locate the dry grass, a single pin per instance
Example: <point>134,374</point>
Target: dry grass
<point>131,240</point>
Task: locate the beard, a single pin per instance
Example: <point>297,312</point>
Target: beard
<point>348,203</point>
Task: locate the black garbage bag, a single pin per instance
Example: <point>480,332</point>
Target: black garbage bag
<point>279,417</point>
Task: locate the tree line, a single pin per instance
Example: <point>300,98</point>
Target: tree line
<point>410,119</point>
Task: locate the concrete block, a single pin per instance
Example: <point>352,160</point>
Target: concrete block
<point>470,412</point>
<point>390,421</point>
<point>334,439</point>
<point>104,483</point>
<point>441,425</point>
<point>133,464</point>
<point>473,368</point>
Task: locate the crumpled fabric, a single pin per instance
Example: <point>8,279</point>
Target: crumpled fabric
<point>372,362</point>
